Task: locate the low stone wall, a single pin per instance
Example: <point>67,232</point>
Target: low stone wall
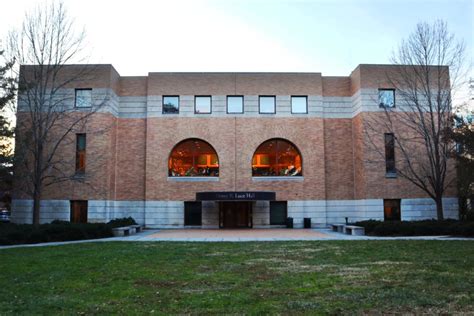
<point>418,209</point>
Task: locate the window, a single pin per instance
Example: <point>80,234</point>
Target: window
<point>170,105</point>
<point>390,153</point>
<point>193,158</point>
<point>80,153</point>
<point>192,213</point>
<point>386,98</point>
<point>278,212</point>
<point>202,105</point>
<point>276,157</point>
<point>235,104</point>
<point>391,210</point>
<point>299,104</point>
<point>78,212</point>
<point>267,104</point>
<point>83,98</point>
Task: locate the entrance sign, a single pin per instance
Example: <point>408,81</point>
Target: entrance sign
<point>236,196</point>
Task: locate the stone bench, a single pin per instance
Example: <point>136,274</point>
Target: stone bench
<point>354,230</point>
<point>123,231</point>
<point>338,228</point>
<point>126,230</point>
<point>138,228</point>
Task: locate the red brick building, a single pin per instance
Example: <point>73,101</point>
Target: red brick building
<point>232,150</point>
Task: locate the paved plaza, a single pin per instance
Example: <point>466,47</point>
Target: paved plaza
<point>237,235</point>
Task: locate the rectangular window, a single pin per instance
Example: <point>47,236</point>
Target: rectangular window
<point>266,104</point>
<point>78,212</point>
<point>192,213</point>
<point>202,105</point>
<point>390,153</point>
<point>299,104</point>
<point>386,98</point>
<point>235,104</point>
<point>80,153</point>
<point>83,98</point>
<point>170,104</point>
<point>278,212</point>
<point>391,210</point>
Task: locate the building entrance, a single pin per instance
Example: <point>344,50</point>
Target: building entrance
<point>235,214</point>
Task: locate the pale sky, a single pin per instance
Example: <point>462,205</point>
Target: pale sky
<point>331,37</point>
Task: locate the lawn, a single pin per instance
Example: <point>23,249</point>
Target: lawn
<point>326,277</point>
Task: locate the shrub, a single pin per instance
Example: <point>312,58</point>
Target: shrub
<point>463,229</point>
<point>418,228</point>
<point>470,215</point>
<point>120,222</point>
<point>368,225</point>
<point>11,234</point>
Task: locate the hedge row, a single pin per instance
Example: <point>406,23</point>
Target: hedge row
<point>418,228</point>
<point>13,234</point>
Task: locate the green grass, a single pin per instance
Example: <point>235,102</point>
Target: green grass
<point>328,277</point>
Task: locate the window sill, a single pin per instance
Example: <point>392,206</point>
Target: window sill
<point>391,175</point>
<point>193,179</point>
<point>276,178</point>
<point>79,176</point>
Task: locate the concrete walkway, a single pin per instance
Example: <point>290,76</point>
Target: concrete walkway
<point>268,234</point>
<point>253,234</point>
<point>240,235</point>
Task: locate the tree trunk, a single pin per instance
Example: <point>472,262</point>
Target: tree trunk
<point>439,208</point>
<point>37,187</point>
<point>36,207</point>
<point>463,207</point>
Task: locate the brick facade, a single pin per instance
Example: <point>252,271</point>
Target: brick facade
<point>127,162</point>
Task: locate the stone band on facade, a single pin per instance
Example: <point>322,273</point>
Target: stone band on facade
<point>136,107</point>
<point>170,214</point>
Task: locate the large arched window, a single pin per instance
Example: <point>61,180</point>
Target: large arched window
<point>193,158</point>
<point>277,158</point>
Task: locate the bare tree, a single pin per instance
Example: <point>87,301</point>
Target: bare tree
<point>427,69</point>
<point>47,119</point>
<point>463,135</point>
<point>7,96</point>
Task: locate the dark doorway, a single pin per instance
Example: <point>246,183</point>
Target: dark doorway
<point>78,211</point>
<point>278,212</point>
<point>235,215</point>
<point>391,210</point>
<point>192,214</point>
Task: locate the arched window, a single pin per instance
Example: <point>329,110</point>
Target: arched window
<point>277,158</point>
<point>193,158</point>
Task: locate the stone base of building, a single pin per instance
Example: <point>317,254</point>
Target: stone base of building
<point>171,214</point>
